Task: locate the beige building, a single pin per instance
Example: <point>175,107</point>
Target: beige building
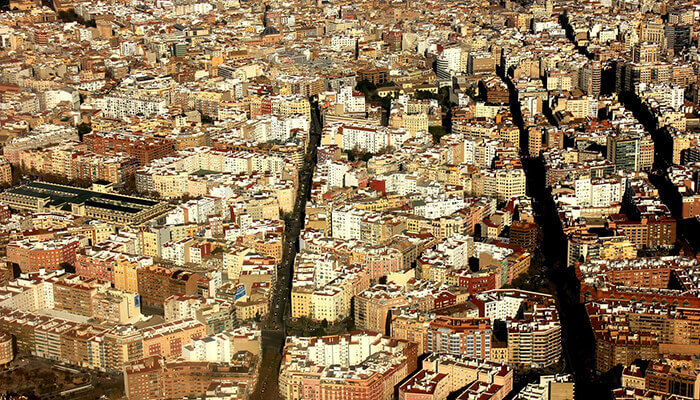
<point>409,326</point>
<point>301,302</point>
<point>463,370</point>
<point>125,275</point>
<point>168,339</point>
<point>504,184</point>
<point>6,349</point>
<point>5,172</point>
<point>536,340</point>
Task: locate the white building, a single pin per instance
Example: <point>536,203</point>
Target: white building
<point>500,307</point>
<point>598,192</point>
<point>29,292</point>
<point>549,387</point>
<point>442,206</point>
<point>449,62</point>
<point>121,106</point>
<point>343,42</point>
<point>328,304</point>
<point>216,348</point>
<point>370,138</point>
<point>346,222</point>
<point>352,101</point>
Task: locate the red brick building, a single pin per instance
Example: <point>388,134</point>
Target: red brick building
<point>481,281</point>
<point>48,254</point>
<point>143,380</point>
<point>649,280</point>
<point>524,234</point>
<point>100,265</point>
<point>158,283</point>
<point>155,378</point>
<point>374,75</point>
<point>647,232</point>
<point>144,148</point>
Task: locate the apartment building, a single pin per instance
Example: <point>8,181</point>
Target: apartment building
<point>144,148</point>
<point>7,351</point>
<point>470,337</point>
<point>31,255</point>
<point>157,283</point>
<point>363,365</point>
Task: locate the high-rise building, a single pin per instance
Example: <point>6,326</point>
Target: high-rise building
<point>549,387</point>
<point>536,339</point>
<point>470,337</point>
<point>5,172</point>
<point>6,349</point>
<point>674,380</point>
<point>590,78</point>
<point>631,152</point>
<point>645,53</point>
<point>157,283</point>
<point>534,141</point>
<point>524,234</point>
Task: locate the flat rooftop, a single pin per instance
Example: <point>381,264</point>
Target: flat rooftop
<point>60,194</point>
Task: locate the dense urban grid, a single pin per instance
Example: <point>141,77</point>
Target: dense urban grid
<point>331,200</point>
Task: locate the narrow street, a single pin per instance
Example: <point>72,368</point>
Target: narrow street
<point>578,344</point>
<point>274,327</point>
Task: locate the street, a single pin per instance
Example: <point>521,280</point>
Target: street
<point>274,332</point>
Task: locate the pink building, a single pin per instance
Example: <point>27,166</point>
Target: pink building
<point>96,264</point>
<point>382,263</point>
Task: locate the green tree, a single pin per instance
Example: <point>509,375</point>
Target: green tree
<point>438,132</point>
<point>84,129</point>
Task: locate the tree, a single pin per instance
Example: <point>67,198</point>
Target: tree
<point>474,264</point>
<point>386,103</point>
<point>386,150</point>
<point>71,16</point>
<point>500,331</point>
<point>68,267</point>
<point>186,197</point>
<point>129,186</point>
<point>366,87</point>
<point>471,92</point>
<point>438,132</point>
<point>16,175</point>
<point>84,129</point>
<point>351,156</point>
